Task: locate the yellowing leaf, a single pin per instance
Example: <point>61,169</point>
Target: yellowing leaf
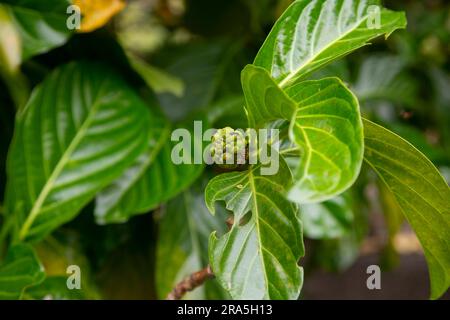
<point>10,43</point>
<point>96,13</point>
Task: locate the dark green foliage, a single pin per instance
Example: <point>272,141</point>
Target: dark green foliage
<point>87,175</point>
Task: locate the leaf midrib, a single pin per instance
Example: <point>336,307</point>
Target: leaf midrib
<point>255,204</point>
<point>35,210</point>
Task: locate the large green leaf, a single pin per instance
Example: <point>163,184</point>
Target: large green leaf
<point>325,125</point>
<point>41,24</point>
<point>182,247</point>
<point>265,101</point>
<point>20,269</point>
<point>422,194</point>
<point>328,129</point>
<point>311,34</point>
<point>82,127</point>
<point>153,179</point>
<point>116,203</point>
<point>257,258</point>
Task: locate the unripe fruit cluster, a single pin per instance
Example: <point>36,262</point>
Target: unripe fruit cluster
<point>229,144</point>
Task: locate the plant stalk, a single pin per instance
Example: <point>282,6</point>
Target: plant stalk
<point>190,283</point>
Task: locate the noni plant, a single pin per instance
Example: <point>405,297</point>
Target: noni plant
<point>329,141</point>
<point>85,139</point>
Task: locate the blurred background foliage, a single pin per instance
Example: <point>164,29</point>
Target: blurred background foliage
<point>190,54</point>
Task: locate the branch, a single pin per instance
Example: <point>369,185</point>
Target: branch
<point>190,283</point>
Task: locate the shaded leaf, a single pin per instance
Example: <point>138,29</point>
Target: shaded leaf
<point>20,269</point>
<point>54,288</point>
<point>80,129</point>
<point>257,258</point>
<point>201,67</point>
<point>393,219</point>
<point>329,219</point>
<point>182,247</point>
<point>382,77</point>
<point>420,191</point>
<point>56,253</point>
<point>418,139</point>
<point>440,81</point>
<point>228,111</point>
<point>336,255</point>
<point>152,180</point>
<point>157,79</point>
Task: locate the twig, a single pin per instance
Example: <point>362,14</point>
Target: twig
<point>190,283</point>
<point>229,222</point>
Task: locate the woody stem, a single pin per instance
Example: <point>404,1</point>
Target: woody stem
<point>193,281</point>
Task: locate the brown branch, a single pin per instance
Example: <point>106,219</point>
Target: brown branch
<point>229,222</point>
<point>190,283</point>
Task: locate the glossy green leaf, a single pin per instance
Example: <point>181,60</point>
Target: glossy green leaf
<point>82,127</point>
<point>265,101</point>
<point>257,258</point>
<point>228,111</point>
<point>116,203</point>
<point>311,34</point>
<point>182,247</point>
<point>201,67</point>
<point>327,128</point>
<point>41,24</point>
<point>329,219</point>
<point>336,255</point>
<point>20,269</point>
<point>152,180</point>
<point>325,125</point>
<point>422,194</point>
